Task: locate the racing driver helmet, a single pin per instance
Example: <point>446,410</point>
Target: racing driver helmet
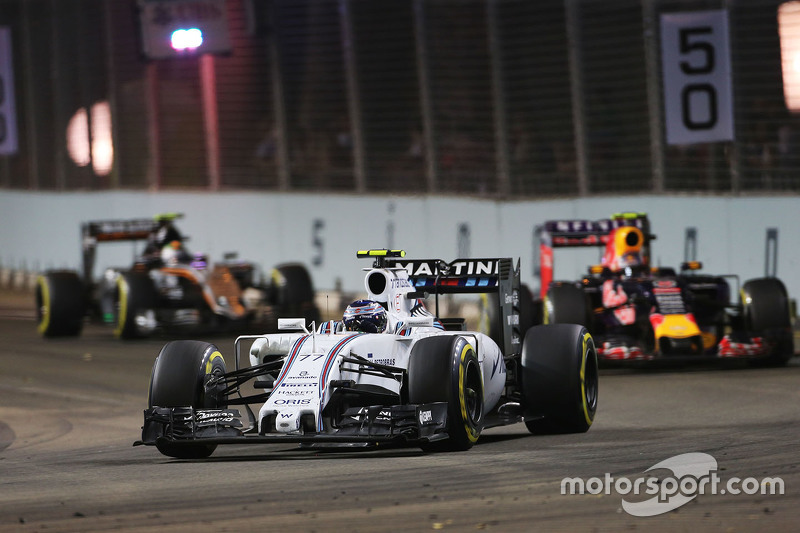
<point>367,316</point>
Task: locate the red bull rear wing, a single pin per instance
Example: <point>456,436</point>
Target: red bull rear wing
<point>584,233</point>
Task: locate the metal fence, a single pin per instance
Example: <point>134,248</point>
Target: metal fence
<point>499,98</point>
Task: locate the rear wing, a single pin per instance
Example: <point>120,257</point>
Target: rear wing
<point>584,233</point>
<point>97,231</point>
<point>117,230</point>
<point>468,276</point>
<point>435,276</point>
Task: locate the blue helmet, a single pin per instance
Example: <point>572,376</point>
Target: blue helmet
<point>365,315</point>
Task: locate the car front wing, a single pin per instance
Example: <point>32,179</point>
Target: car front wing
<point>373,424</point>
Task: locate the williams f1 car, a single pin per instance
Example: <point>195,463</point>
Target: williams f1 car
<point>636,311</point>
<point>389,372</point>
<point>166,288</point>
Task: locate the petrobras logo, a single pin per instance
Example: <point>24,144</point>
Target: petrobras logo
<point>303,375</point>
<point>389,361</point>
<point>400,283</point>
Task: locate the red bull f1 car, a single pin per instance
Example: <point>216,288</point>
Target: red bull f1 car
<point>636,311</point>
<point>389,372</point>
<point>166,287</point>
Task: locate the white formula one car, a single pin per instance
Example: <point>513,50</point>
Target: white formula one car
<point>390,371</point>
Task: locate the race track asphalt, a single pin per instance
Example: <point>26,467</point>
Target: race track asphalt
<point>70,410</point>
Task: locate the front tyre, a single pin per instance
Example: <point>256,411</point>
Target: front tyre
<point>446,369</point>
<point>134,299</point>
<point>765,308</point>
<point>60,304</point>
<point>559,378</point>
<point>179,378</point>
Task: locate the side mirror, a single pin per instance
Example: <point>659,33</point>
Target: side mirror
<point>691,265</point>
<point>292,324</point>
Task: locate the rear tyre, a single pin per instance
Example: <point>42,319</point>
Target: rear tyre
<point>566,304</point>
<point>765,309</point>
<point>60,304</point>
<point>134,297</point>
<point>446,369</point>
<point>559,379</point>
<point>179,376</point>
<point>293,292</point>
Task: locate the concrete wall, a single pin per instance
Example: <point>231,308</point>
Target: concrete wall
<point>40,230</point>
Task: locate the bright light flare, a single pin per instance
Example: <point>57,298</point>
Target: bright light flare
<point>789,31</point>
<point>186,39</point>
<point>89,138</point>
<point>78,138</point>
<point>102,142</point>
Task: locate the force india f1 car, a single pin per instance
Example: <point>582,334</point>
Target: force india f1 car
<point>638,312</point>
<point>421,381</point>
<point>167,287</point>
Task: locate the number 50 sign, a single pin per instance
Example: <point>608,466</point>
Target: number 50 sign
<point>695,59</point>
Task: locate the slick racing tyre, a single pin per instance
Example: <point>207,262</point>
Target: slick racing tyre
<point>293,292</point>
<point>446,369</point>
<point>566,304</point>
<point>60,305</point>
<point>178,380</point>
<point>559,379</point>
<point>134,302</point>
<point>765,309</point>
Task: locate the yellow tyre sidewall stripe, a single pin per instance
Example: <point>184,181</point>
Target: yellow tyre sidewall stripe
<point>45,310</point>
<point>585,344</point>
<point>472,433</point>
<point>545,310</point>
<point>122,311</point>
<point>210,361</point>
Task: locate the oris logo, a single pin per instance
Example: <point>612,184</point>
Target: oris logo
<point>291,401</point>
